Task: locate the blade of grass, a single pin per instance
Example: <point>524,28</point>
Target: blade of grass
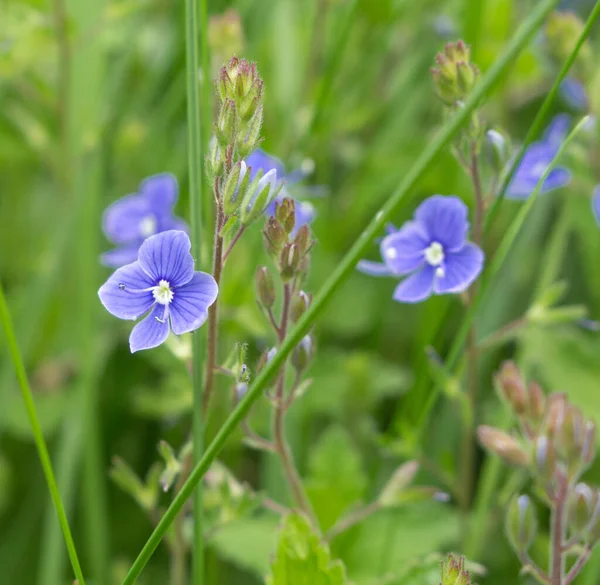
<point>494,267</point>
<point>341,273</point>
<point>38,436</point>
<point>198,111</point>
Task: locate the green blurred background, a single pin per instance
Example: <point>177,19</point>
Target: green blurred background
<point>92,100</point>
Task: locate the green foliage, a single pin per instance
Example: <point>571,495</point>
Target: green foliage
<point>301,558</point>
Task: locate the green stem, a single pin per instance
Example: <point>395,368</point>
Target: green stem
<point>344,269</point>
<point>38,435</point>
<point>197,113</point>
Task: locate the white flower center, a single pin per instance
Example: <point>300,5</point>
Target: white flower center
<point>148,226</point>
<point>162,293</point>
<point>434,255</point>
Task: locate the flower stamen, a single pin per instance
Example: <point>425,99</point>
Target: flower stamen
<point>148,226</point>
<point>434,255</point>
<point>162,293</point>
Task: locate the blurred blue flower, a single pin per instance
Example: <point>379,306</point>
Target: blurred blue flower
<point>574,94</point>
<point>259,159</point>
<point>536,160</point>
<point>133,218</point>
<point>432,250</point>
<point>596,204</point>
<point>162,284</point>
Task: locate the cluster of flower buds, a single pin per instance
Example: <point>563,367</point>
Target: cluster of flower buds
<point>557,444</point>
<point>454,572</point>
<point>454,75</point>
<point>291,254</point>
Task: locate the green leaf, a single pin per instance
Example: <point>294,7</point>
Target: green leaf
<point>336,478</point>
<point>302,559</point>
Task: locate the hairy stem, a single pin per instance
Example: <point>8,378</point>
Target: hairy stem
<point>281,446</point>
<point>235,240</point>
<point>558,531</point>
<point>213,312</point>
<point>576,568</point>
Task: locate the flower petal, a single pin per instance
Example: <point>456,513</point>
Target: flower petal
<point>118,294</point>
<point>416,287</point>
<point>259,159</point>
<point>445,220</point>
<point>189,307</point>
<point>152,331</point>
<point>305,213</point>
<point>120,256</point>
<point>167,256</point>
<point>596,204</point>
<point>404,251</point>
<point>373,268</point>
<point>573,92</point>
<point>121,221</point>
<point>160,192</point>
<point>460,270</point>
<point>557,178</point>
<point>557,130</point>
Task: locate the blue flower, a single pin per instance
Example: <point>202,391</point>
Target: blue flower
<point>431,250</point>
<point>536,160</point>
<point>162,285</point>
<point>133,218</point>
<point>574,94</point>
<point>259,159</point>
<point>596,204</point>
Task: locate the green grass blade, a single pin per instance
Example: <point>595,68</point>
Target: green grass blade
<point>494,267</point>
<point>197,107</point>
<point>344,269</point>
<point>38,436</point>
<point>540,118</point>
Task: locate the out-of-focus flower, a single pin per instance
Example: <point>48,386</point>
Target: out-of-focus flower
<point>133,218</point>
<point>536,160</point>
<point>573,93</point>
<point>304,211</point>
<point>596,204</point>
<point>432,250</point>
<point>162,284</point>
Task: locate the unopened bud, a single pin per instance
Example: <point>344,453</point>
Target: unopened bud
<point>226,125</point>
<point>265,358</point>
<point>402,478</point>
<point>230,191</point>
<point>303,353</point>
<point>454,75</point>
<point>302,239</point>
<point>497,149</point>
<point>582,503</point>
<point>289,262</point>
<point>588,450</point>
<point>544,458</point>
<point>512,387</point>
<point>570,437</point>
<point>259,195</point>
<point>300,303</point>
<point>214,165</point>
<point>265,287</point>
<point>537,402</point>
<point>521,523</point>
<point>454,572</point>
<point>248,139</point>
<point>240,390</point>
<point>555,413</point>
<point>274,235</point>
<point>285,214</point>
<point>503,445</point>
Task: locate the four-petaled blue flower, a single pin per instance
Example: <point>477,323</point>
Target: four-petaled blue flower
<point>304,211</point>
<point>432,249</point>
<point>162,283</point>
<point>536,160</point>
<point>133,218</point>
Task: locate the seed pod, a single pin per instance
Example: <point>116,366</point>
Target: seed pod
<point>265,287</point>
<point>300,303</point>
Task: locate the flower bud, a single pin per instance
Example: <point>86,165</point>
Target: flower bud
<point>303,353</point>
<point>302,239</point>
<point>521,523</point>
<point>258,196</point>
<point>570,437</point>
<point>274,236</point>
<point>285,214</point>
<point>402,478</point>
<point>265,287</point>
<point>214,165</point>
<point>265,358</point>
<point>544,458</point>
<point>454,572</point>
<point>497,149</point>
<point>241,388</point>
<point>289,262</point>
<point>226,126</point>
<point>588,450</point>
<point>231,188</point>
<point>511,387</point>
<point>555,413</point>
<point>503,445</point>
<point>537,402</point>
<point>172,466</point>
<point>563,30</point>
<point>582,503</point>
<point>248,139</point>
<point>300,302</point>
<point>454,75</point>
